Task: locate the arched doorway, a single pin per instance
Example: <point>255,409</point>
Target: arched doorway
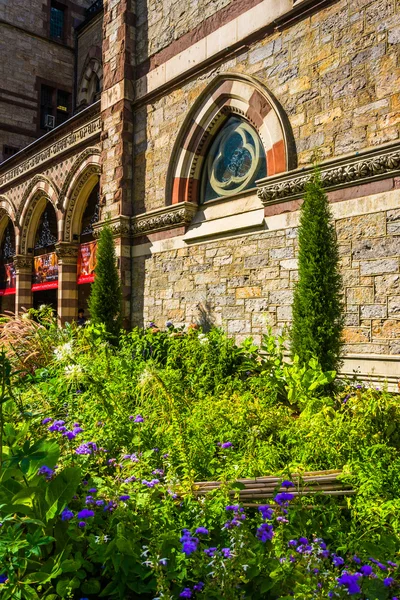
<point>7,269</point>
<point>45,262</point>
<point>87,248</point>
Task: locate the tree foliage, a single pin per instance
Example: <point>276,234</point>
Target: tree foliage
<point>317,306</point>
<point>105,302</point>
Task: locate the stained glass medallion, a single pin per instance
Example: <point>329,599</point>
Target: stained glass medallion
<point>234,162</point>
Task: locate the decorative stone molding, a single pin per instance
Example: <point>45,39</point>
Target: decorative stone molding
<point>363,167</point>
<point>71,139</point>
<point>120,226</point>
<point>38,185</point>
<point>165,218</point>
<point>67,253</point>
<point>23,262</point>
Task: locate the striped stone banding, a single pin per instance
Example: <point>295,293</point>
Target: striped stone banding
<point>227,95</point>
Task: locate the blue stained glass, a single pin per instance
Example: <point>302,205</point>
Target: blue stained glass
<point>234,162</point>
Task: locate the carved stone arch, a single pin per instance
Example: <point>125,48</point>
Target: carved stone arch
<point>39,191</point>
<point>228,94</point>
<point>92,68</point>
<point>7,213</point>
<point>80,181</point>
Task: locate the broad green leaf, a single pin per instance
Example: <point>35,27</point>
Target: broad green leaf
<point>61,489</point>
<point>70,565</point>
<point>92,586</point>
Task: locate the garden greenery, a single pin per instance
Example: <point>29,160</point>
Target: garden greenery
<point>101,445</point>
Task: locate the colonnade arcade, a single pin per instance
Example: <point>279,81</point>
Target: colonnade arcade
<point>47,249</point>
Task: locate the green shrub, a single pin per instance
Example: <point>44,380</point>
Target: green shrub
<point>317,306</point>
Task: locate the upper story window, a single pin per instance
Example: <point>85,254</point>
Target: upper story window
<point>57,21</point>
<point>235,160</point>
<point>54,107</point>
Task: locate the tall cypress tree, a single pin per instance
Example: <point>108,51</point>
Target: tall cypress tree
<point>317,306</point>
<point>105,301</point>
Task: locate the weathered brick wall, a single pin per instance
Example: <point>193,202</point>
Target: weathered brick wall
<point>160,23</point>
<point>245,284</point>
<point>336,74</point>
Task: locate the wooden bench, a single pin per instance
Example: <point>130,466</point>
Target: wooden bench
<point>263,488</point>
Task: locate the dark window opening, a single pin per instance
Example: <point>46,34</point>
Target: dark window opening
<point>91,215</point>
<point>57,21</point>
<point>46,234</point>
<point>9,151</point>
<point>54,107</point>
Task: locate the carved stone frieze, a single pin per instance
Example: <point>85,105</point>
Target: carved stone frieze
<point>165,218</point>
<point>23,262</point>
<point>335,174</point>
<point>120,226</point>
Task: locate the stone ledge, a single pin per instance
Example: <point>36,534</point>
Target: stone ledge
<point>372,369</point>
<point>355,169</point>
<point>167,217</point>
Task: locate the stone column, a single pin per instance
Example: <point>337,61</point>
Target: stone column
<point>67,308</point>
<point>116,182</point>
<point>23,269</point>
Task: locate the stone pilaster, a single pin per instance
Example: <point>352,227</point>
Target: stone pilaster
<point>67,309</point>
<point>23,269</point>
<point>117,127</point>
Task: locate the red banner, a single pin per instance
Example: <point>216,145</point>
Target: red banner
<point>45,272</point>
<point>86,262</point>
<point>9,281</point>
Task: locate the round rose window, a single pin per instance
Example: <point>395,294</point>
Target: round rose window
<point>234,162</point>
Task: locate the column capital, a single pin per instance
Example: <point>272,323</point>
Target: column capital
<point>23,262</point>
<point>67,253</point>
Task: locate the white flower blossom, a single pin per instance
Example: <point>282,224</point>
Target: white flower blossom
<point>73,370</point>
<point>64,351</point>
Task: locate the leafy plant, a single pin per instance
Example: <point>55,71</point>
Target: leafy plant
<point>317,306</point>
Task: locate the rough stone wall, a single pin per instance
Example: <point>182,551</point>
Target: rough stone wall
<point>90,38</point>
<point>160,23</point>
<point>245,284</point>
<point>336,74</point>
<point>27,53</point>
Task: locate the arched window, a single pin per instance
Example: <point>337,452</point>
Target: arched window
<point>235,160</point>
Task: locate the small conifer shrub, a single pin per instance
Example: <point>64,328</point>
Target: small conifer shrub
<point>317,306</point>
<point>105,301</point>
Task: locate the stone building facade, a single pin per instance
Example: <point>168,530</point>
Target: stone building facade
<point>180,84</point>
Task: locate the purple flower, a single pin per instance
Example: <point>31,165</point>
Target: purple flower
<point>225,445</point>
<point>366,570</point>
<point>46,420</point>
<point>392,564</point>
<point>85,514</point>
<point>89,500</point>
<point>66,514</point>
<point>57,426</point>
<point>356,559</point>
<point>234,508</point>
<point>81,524</point>
<point>87,448</point>
<point>303,540</point>
<point>337,560</point>
<point>350,582</point>
<point>267,512</point>
<point>187,593</point>
<point>138,419</point>
<point>265,532</point>
<point>3,578</point>
<point>292,543</point>
<point>158,472</point>
<point>283,498</point>
<point>388,581</point>
<point>189,543</point>
<point>165,455</point>
<point>163,562</point>
<point>99,502</point>
<point>210,552</point>
<point>198,586</point>
<point>46,471</point>
<point>124,497</point>
<point>226,552</point>
<point>201,531</point>
<point>92,491</point>
<point>287,483</point>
